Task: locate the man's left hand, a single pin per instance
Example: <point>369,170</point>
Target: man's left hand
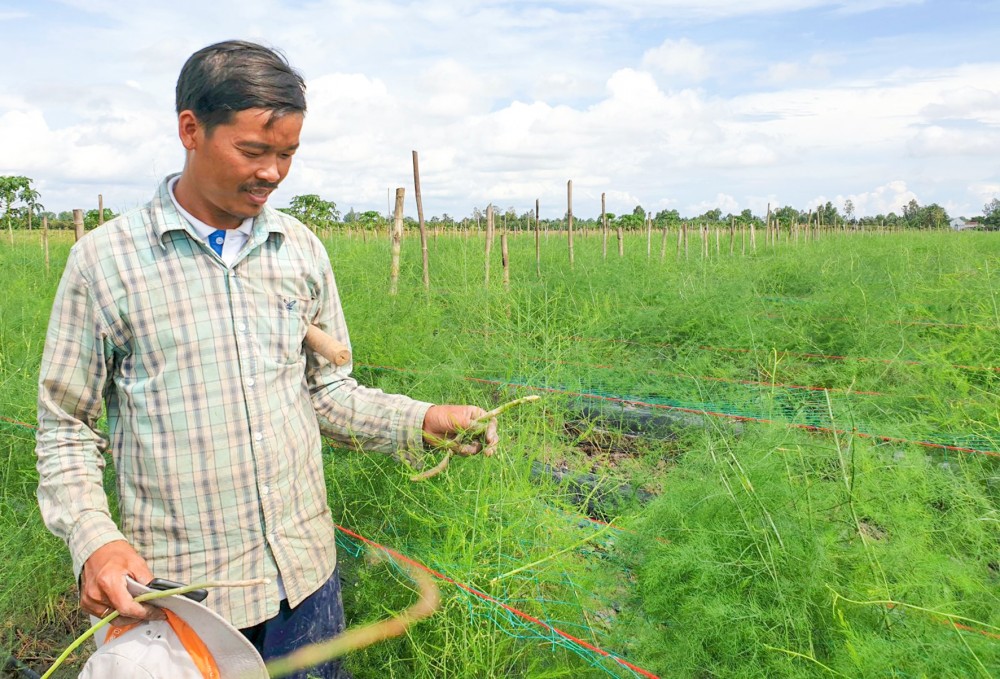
<point>448,421</point>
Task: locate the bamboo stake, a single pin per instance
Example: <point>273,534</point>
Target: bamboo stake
<point>45,240</point>
<point>77,225</point>
<point>569,213</point>
<point>489,240</point>
<point>397,241</point>
<point>538,243</point>
<point>504,256</point>
<point>420,217</point>
<point>621,239</point>
<point>649,236</point>
<point>604,227</point>
<point>100,209</point>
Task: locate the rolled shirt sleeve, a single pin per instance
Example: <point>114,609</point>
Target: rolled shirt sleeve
<point>69,447</point>
<point>348,412</point>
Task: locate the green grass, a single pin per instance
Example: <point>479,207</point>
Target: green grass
<point>747,563</point>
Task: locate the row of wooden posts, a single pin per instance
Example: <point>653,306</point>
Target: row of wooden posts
<point>773,234</point>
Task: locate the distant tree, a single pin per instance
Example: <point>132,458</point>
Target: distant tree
<point>667,217</point>
<point>911,214</point>
<point>312,210</point>
<point>849,210</point>
<point>991,214</point>
<point>713,215</point>
<point>370,219</point>
<point>631,222</point>
<point>29,197</point>
<point>787,215</point>
<point>91,221</point>
<point>829,214</point>
<point>11,189</point>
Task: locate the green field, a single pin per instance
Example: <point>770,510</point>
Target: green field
<point>758,527</point>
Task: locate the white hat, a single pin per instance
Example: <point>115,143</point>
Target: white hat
<point>194,642</point>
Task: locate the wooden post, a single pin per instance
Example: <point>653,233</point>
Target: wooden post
<point>45,240</point>
<point>621,238</point>
<point>649,236</point>
<point>753,239</point>
<point>680,238</point>
<point>538,243</point>
<point>604,226</point>
<point>504,256</point>
<point>663,243</point>
<point>718,246</point>
<point>489,240</point>
<point>732,236</point>
<point>397,241</point>
<point>420,217</point>
<point>569,217</point>
<point>743,239</point>
<point>78,223</point>
<point>100,209</point>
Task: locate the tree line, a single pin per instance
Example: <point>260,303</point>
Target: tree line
<point>22,209</point>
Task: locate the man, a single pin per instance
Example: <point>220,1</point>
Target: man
<point>185,319</point>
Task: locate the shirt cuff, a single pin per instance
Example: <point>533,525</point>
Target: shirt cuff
<point>409,437</point>
<point>91,533</point>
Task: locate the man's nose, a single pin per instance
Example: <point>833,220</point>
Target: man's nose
<point>268,171</point>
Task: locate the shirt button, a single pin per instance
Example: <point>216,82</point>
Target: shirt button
<point>218,241</point>
<point>264,490</point>
<point>251,381</point>
<point>258,436</point>
<point>242,327</point>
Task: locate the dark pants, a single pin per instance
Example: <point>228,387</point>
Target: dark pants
<point>319,617</point>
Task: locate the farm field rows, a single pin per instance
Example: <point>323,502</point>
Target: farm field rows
<point>785,464</point>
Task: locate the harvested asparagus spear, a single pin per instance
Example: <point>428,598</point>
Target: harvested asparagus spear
<point>476,429</point>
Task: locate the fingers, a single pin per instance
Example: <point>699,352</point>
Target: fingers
<point>492,438</point>
<point>103,587</point>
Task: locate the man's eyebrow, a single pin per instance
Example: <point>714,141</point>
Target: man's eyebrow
<point>262,146</point>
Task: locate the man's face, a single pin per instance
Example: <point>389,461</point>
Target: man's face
<point>231,172</point>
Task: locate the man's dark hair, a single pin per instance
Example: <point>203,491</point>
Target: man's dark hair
<point>219,80</point>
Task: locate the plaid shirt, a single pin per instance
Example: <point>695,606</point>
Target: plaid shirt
<point>214,409</point>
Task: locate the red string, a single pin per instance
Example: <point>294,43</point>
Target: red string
<point>507,607</point>
<point>696,411</point>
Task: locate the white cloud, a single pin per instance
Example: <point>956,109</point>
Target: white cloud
<point>722,201</point>
<point>681,59</point>
<point>505,102</point>
<point>890,197</point>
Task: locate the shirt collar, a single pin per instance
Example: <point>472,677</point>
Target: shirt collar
<point>166,217</point>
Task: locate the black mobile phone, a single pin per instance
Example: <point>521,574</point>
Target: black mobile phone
<point>161,584</point>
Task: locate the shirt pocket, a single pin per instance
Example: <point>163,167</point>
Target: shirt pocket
<point>282,321</point>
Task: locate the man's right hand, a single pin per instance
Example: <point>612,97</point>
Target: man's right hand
<point>102,584</point>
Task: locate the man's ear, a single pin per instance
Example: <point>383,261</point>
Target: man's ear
<point>189,129</point>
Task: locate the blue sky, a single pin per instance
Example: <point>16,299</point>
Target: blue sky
<point>664,103</point>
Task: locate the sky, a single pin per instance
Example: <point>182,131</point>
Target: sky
<point>667,104</point>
